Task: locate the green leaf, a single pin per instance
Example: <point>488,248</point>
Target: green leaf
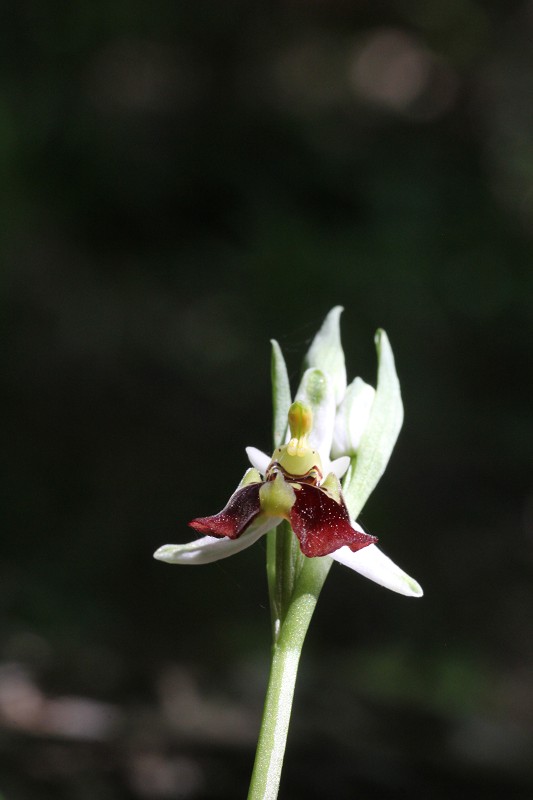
<point>281,402</point>
<point>380,434</point>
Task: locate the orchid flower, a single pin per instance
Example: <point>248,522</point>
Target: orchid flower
<point>299,482</point>
<point>293,489</point>
<point>295,496</point>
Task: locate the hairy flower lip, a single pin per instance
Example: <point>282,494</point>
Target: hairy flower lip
<point>318,515</point>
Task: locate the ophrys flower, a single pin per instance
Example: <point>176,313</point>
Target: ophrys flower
<point>299,483</point>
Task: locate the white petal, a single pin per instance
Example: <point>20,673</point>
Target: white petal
<point>210,548</point>
<point>340,466</point>
<point>352,417</point>
<point>258,459</point>
<point>374,564</point>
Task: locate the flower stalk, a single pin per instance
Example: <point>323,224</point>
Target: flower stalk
<point>286,651</point>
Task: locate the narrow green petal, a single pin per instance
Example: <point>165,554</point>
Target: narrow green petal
<point>281,402</point>
<point>281,394</point>
<point>380,434</point>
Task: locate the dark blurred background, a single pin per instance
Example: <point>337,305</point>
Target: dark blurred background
<point>181,182</point>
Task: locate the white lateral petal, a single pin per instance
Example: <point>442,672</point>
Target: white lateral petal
<point>339,466</point>
<point>210,548</point>
<point>374,564</point>
<point>258,459</point>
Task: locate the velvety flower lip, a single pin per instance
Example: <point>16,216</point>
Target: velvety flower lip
<point>322,524</point>
<point>241,510</point>
<point>293,489</point>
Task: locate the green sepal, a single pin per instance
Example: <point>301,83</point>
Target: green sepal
<point>281,395</point>
<point>380,434</point>
<point>281,402</point>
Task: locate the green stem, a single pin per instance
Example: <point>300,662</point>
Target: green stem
<point>286,652</point>
<point>289,563</point>
<point>275,607</point>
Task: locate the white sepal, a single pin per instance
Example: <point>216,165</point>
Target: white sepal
<point>378,567</point>
<point>210,548</point>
